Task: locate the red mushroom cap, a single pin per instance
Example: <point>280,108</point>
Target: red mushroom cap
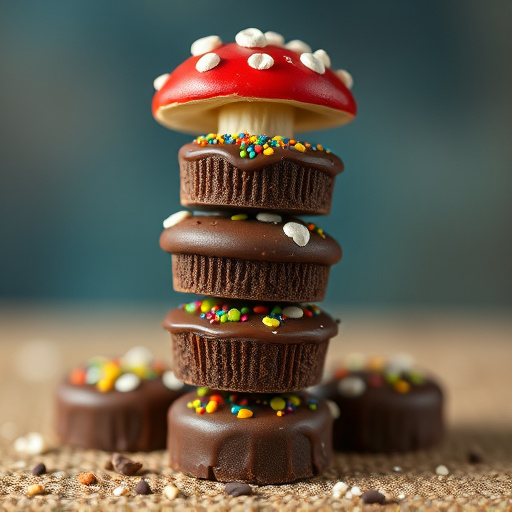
<point>189,99</point>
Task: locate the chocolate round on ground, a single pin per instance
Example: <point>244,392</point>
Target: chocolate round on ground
<point>288,181</point>
<point>263,449</point>
<point>250,356</point>
<point>113,420</point>
<point>375,417</point>
<point>250,259</point>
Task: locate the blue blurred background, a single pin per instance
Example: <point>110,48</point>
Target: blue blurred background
<point>423,210</point>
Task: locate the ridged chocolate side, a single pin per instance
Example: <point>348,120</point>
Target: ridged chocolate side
<point>245,365</point>
<point>265,449</point>
<point>251,280</point>
<point>284,186</point>
<point>288,181</point>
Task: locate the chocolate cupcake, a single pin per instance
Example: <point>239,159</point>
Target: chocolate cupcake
<point>384,407</point>
<point>257,173</point>
<point>255,348</point>
<point>254,439</point>
<point>264,257</point>
<point>117,405</point>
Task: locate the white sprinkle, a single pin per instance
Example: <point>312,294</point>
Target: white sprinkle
<point>251,38</point>
<point>31,444</point>
<point>293,312</point>
<point>314,63</point>
<point>120,491</point>
<point>171,381</point>
<point>397,469</point>
<point>269,217</point>
<point>298,46</point>
<point>176,218</point>
<point>346,78</point>
<point>127,382</point>
<point>297,232</point>
<point>159,81</point>
<point>401,496</point>
<point>348,495</point>
<point>260,61</point>
<point>351,386</point>
<point>205,45</point>
<point>207,62</point>
<point>339,489</point>
<point>170,492</point>
<point>356,491</point>
<point>442,470</point>
<point>324,57</point>
<point>400,363</point>
<point>333,407</point>
<point>274,38</point>
<point>137,356</point>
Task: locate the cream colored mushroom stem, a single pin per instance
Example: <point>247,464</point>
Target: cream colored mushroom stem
<point>257,118</point>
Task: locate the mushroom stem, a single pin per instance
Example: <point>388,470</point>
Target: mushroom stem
<point>257,118</point>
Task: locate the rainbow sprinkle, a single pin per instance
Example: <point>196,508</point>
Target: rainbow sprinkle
<point>253,145</point>
<point>242,405</point>
<point>217,312</point>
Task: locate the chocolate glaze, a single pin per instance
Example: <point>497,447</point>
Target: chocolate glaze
<point>216,235</point>
<point>114,421</point>
<point>315,329</point>
<point>264,449</point>
<point>320,160</point>
<point>383,420</point>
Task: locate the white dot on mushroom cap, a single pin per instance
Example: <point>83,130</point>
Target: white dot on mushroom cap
<point>324,57</point>
<point>346,78</point>
<point>313,63</point>
<point>159,81</point>
<point>298,46</point>
<point>274,38</point>
<point>207,62</point>
<point>251,38</point>
<point>176,218</point>
<point>260,61</point>
<point>297,232</point>
<point>205,45</point>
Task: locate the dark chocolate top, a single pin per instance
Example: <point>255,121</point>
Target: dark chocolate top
<point>215,235</point>
<point>325,162</point>
<point>315,329</point>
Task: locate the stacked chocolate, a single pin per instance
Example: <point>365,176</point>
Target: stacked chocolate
<point>256,340</point>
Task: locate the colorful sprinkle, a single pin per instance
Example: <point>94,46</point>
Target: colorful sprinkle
<point>253,145</point>
<point>239,216</point>
<point>244,413</point>
<point>278,403</point>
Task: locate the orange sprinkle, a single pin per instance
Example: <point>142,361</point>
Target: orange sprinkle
<point>77,377</point>
<point>402,386</point>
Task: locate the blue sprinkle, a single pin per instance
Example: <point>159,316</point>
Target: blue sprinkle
<point>235,409</point>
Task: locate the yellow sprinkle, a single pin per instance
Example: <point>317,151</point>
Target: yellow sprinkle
<point>211,406</point>
<point>203,391</point>
<point>105,385</point>
<point>280,413</point>
<point>300,147</point>
<point>277,137</point>
<point>211,136</point>
<point>402,386</point>
<point>244,413</point>
<point>265,146</point>
<point>111,371</point>
<point>294,399</point>
<point>190,405</point>
<point>268,151</point>
<point>239,216</point>
<point>140,371</point>
<point>196,403</point>
<point>207,304</point>
<point>278,403</point>
<point>271,322</point>
<point>253,138</point>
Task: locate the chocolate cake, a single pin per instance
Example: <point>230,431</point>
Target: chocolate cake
<point>249,347</point>
<point>116,405</point>
<point>266,257</point>
<point>296,179</point>
<point>255,439</point>
<point>384,407</point>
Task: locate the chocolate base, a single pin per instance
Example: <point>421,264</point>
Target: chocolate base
<point>114,421</point>
<point>383,420</point>
<point>264,449</point>
<point>216,177</point>
<point>249,356</point>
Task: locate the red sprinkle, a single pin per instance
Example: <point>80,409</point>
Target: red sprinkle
<point>260,310</point>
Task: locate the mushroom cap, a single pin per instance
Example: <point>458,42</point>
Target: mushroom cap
<point>189,99</point>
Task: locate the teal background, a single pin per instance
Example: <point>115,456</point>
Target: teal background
<point>423,210</point>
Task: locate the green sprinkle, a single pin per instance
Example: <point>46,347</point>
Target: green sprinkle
<point>239,216</point>
<point>245,310</point>
<point>243,153</point>
<point>203,391</point>
<point>234,315</point>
